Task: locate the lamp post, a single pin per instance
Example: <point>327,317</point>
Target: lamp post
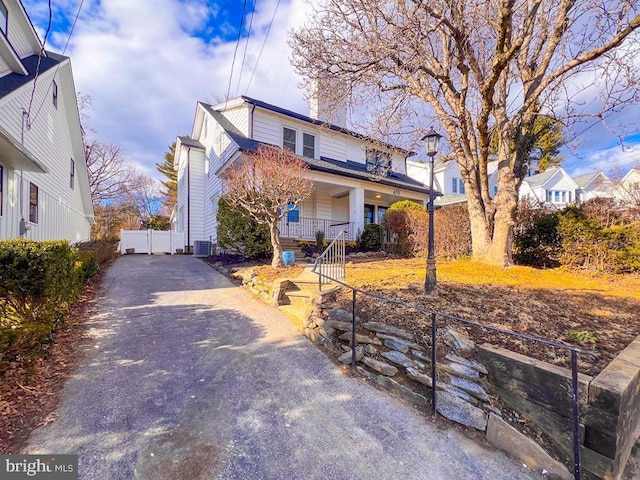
<point>431,141</point>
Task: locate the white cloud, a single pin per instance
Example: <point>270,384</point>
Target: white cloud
<point>145,68</point>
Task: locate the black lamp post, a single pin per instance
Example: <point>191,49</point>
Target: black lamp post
<point>431,141</point>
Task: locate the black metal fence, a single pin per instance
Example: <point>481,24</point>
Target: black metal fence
<point>433,315</point>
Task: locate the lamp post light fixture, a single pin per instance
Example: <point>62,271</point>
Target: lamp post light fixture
<point>431,141</point>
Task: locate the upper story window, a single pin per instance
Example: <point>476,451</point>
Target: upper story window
<point>72,174</point>
<point>378,162</point>
<point>457,186</point>
<point>4,18</point>
<point>289,139</point>
<point>33,203</point>
<point>549,196</point>
<point>54,89</point>
<point>495,190</point>
<point>308,145</point>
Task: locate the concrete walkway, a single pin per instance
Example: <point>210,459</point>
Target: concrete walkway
<point>189,377</point>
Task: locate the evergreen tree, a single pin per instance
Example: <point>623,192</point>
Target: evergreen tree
<point>170,185</point>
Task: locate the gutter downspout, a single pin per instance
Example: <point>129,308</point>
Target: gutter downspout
<point>188,200</point>
<point>253,108</point>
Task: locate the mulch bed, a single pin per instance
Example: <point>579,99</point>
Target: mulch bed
<point>612,323</point>
<point>30,390</point>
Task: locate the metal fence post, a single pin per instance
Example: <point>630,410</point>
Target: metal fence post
<point>433,365</point>
<point>353,331</point>
<point>576,425</point>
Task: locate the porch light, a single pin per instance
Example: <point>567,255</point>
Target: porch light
<point>378,195</point>
<point>431,142</point>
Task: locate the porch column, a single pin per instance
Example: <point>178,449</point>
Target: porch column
<point>356,208</point>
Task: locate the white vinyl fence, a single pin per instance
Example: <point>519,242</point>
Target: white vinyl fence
<point>151,241</point>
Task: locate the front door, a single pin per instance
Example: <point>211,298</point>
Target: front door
<point>369,211</point>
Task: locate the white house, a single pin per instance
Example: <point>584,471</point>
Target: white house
<point>447,179</point>
<point>628,192</point>
<point>594,185</point>
<point>553,188</point>
<point>44,188</point>
<point>355,178</point>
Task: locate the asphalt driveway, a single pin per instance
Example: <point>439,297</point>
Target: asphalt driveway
<point>189,377</point>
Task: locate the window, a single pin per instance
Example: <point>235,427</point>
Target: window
<point>368,214</point>
<point>461,186</point>
<point>4,18</point>
<point>72,174</point>
<point>564,197</point>
<point>378,162</point>
<point>454,185</point>
<point>33,203</point>
<point>308,145</point>
<point>556,196</point>
<point>495,190</point>
<point>549,196</point>
<point>54,88</point>
<point>569,197</point>
<point>289,139</point>
<point>381,212</point>
<point>214,205</point>
<point>1,190</point>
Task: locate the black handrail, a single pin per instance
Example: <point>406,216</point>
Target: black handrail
<point>434,314</point>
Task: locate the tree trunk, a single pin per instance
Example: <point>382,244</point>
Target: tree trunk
<point>275,243</point>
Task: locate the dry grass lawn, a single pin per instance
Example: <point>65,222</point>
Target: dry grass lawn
<point>596,312</point>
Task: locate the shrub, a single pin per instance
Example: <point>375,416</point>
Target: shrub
<point>407,224</point>
<point>319,240</point>
<point>538,243</point>
<point>452,231</point>
<point>105,251</point>
<point>238,233</point>
<point>371,238</point>
<point>38,282</point>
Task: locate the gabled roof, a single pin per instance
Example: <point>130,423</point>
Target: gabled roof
<point>13,81</point>
<point>584,180</point>
<point>304,118</point>
<point>540,179</point>
<point>190,142</point>
<point>245,144</point>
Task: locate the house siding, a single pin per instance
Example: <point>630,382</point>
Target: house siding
<point>61,213</point>
<point>332,145</point>
<point>239,117</point>
<point>16,35</point>
<point>266,128</point>
<point>324,205</point>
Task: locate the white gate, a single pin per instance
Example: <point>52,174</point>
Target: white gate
<point>151,241</point>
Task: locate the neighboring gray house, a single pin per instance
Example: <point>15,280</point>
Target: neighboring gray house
<point>594,185</point>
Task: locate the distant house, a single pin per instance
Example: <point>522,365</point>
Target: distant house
<point>594,185</point>
<point>355,177</point>
<point>44,188</point>
<point>628,191</point>
<point>447,179</point>
<point>553,188</point>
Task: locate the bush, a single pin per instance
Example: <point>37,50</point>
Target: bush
<point>38,282</point>
<point>319,240</point>
<point>407,224</point>
<point>105,251</point>
<point>371,238</point>
<point>452,231</point>
<point>538,243</point>
<point>237,233</point>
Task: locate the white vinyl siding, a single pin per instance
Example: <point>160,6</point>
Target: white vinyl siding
<point>324,204</point>
<point>61,210</point>
<point>333,145</point>
<point>239,117</point>
<point>266,128</point>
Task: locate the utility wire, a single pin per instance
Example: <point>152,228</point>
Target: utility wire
<point>263,44</point>
<point>66,45</point>
<point>35,77</point>
<point>235,52</point>
<point>246,45</point>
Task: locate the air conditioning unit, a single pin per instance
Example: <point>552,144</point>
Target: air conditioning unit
<point>201,248</point>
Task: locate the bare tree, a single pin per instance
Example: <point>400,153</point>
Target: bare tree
<point>268,183</point>
<point>481,69</point>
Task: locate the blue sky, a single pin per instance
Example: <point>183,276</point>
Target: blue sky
<point>146,63</point>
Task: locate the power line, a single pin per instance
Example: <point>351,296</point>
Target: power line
<point>66,45</point>
<point>263,44</point>
<point>35,77</point>
<point>235,52</point>
<point>246,45</point>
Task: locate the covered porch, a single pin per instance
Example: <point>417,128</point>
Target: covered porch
<point>339,203</point>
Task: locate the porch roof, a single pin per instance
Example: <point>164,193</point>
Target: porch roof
<point>359,170</point>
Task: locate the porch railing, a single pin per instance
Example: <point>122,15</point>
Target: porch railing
<point>305,228</point>
<point>327,276</point>
<point>331,264</point>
